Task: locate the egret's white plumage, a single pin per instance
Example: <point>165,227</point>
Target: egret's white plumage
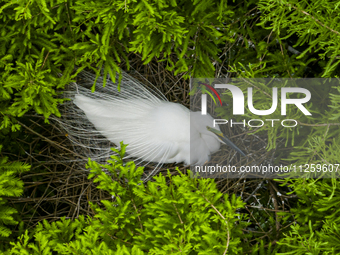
<point>154,129</point>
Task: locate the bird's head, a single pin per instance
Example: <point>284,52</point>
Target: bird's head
<point>225,140</point>
<point>212,135</point>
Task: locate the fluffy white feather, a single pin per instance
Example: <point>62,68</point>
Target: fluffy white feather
<point>154,129</point>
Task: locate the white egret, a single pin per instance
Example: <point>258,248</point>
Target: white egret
<point>155,129</point>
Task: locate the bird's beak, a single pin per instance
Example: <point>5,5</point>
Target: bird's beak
<point>225,140</point>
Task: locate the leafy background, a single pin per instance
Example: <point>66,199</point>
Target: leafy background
<point>167,42</point>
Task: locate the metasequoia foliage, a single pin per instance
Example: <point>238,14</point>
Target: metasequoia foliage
<point>10,186</point>
<point>40,39</point>
<point>186,216</point>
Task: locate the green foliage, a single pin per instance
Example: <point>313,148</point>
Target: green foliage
<point>177,215</point>
<point>10,186</point>
<point>40,39</point>
<point>315,230</point>
<point>315,23</point>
